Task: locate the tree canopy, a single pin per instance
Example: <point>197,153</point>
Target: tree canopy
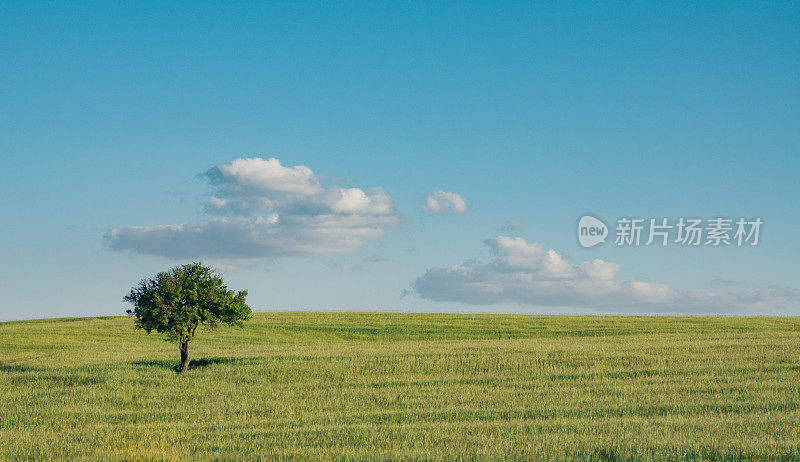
<point>179,301</point>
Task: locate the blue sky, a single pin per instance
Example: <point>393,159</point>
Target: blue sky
<point>539,113</point>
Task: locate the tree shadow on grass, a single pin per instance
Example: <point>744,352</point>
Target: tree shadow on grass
<point>193,364</point>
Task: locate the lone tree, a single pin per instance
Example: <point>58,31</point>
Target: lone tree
<point>178,301</point>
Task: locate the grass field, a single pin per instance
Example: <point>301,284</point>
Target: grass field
<point>304,385</point>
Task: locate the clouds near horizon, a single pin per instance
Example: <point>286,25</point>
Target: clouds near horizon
<point>527,274</point>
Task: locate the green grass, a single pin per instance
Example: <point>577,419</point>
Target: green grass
<point>304,385</point>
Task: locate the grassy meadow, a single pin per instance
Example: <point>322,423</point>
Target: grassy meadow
<point>309,385</point>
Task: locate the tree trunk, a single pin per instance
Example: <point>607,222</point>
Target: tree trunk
<point>184,347</point>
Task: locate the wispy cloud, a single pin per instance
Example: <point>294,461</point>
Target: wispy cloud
<point>513,226</point>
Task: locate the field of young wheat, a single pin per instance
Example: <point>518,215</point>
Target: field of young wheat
<point>305,385</point>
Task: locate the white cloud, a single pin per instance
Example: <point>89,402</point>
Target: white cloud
<point>527,274</point>
<point>257,174</point>
<point>599,269</point>
<point>353,200</point>
<point>264,209</point>
<point>440,202</point>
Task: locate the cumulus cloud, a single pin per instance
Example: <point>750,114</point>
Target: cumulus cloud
<point>261,208</point>
<point>527,274</point>
<point>248,175</point>
<point>442,202</point>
